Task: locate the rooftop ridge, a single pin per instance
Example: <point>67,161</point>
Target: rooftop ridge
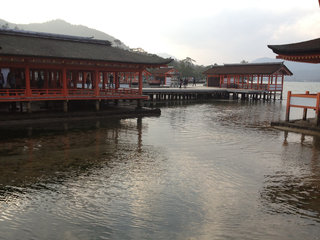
<point>54,36</point>
<point>250,64</point>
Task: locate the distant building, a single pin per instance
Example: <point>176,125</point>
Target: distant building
<point>258,76</point>
<point>165,76</point>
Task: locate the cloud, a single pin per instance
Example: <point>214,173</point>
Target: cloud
<point>233,35</point>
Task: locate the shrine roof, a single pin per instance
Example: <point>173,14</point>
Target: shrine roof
<point>253,68</point>
<point>45,45</point>
<point>300,48</point>
<point>163,70</point>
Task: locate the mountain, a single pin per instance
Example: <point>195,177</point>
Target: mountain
<point>166,55</point>
<point>62,27</point>
<point>302,72</point>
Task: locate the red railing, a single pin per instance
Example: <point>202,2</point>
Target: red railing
<point>48,92</point>
<point>7,95</point>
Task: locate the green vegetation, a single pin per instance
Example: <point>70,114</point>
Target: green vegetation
<point>188,68</point>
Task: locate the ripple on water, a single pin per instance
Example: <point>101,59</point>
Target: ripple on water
<point>292,194</point>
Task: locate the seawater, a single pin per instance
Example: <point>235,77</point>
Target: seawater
<point>212,170</point>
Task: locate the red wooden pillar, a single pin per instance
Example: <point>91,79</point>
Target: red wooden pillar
<point>115,79</point>
<point>304,116</point>
<point>64,82</point>
<point>282,78</point>
<point>96,83</point>
<point>103,80</point>
<point>288,106</point>
<point>27,79</point>
<point>140,81</point>
<point>317,110</point>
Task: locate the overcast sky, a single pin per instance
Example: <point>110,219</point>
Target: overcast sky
<point>208,31</point>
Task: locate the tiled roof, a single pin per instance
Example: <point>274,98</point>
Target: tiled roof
<point>256,68</point>
<point>300,48</point>
<point>163,70</point>
<point>33,44</point>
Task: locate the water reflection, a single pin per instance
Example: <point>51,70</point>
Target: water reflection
<point>61,150</point>
<point>295,187</point>
<point>205,171</point>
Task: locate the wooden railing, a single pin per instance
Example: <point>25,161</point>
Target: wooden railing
<point>37,94</point>
<point>305,101</point>
<point>275,87</point>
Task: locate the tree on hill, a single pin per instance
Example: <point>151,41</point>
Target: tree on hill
<point>187,68</point>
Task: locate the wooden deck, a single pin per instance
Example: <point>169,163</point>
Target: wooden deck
<point>197,92</point>
<point>307,126</point>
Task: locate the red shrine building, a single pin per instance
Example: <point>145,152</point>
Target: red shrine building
<point>309,52</point>
<point>49,67</point>
<point>129,79</point>
<point>268,77</point>
<point>165,76</point>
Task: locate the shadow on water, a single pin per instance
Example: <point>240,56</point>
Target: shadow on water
<point>296,189</point>
<point>33,156</point>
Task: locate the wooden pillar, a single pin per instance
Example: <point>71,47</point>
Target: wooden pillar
<point>65,106</point>
<point>318,110</point>
<point>27,79</point>
<point>64,82</point>
<point>29,108</point>
<point>275,86</point>
<point>140,81</point>
<point>304,117</point>
<point>96,81</point>
<point>288,106</point>
<point>97,105</point>
<point>282,78</point>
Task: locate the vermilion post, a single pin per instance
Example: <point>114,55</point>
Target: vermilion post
<point>140,81</point>
<point>27,79</point>
<point>96,83</point>
<point>288,106</point>
<point>282,84</point>
<point>64,82</point>
<point>317,110</point>
<point>304,117</point>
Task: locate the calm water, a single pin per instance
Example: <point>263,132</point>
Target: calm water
<point>199,171</point>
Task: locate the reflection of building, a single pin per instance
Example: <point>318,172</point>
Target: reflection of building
<point>259,76</point>
<point>165,76</point>
<point>64,148</point>
<point>50,67</point>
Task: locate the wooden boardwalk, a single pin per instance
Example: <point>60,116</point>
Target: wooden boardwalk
<point>202,92</point>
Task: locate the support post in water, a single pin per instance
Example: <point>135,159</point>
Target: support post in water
<point>304,117</point>
<point>288,106</point>
<point>317,110</point>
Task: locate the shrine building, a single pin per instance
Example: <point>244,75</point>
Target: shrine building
<point>43,67</point>
<point>265,77</point>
